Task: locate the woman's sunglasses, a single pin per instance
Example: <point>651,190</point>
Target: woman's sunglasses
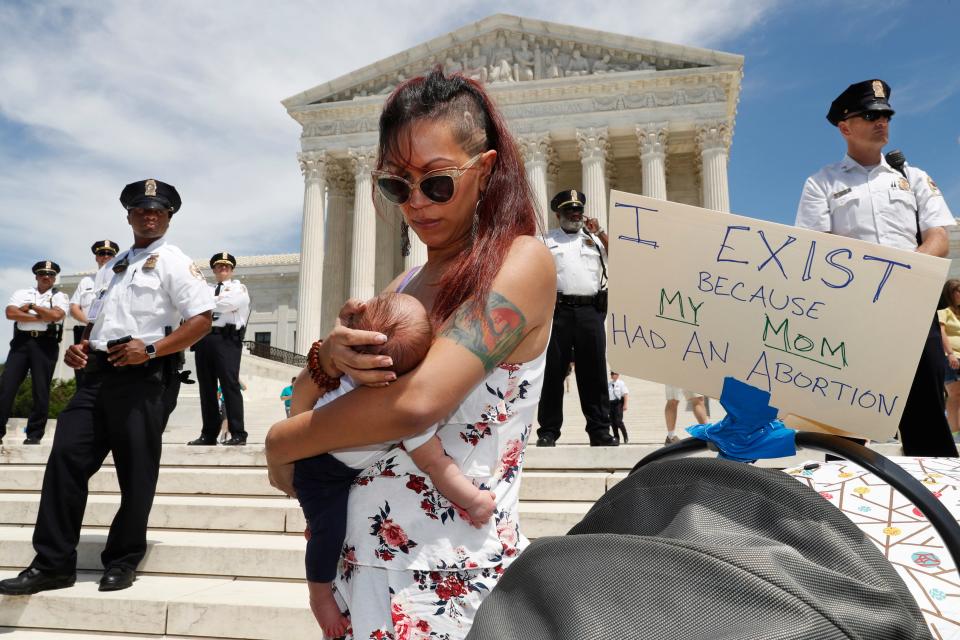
<point>439,186</point>
<point>104,252</point>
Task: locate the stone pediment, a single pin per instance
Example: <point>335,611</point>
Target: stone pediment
<point>509,49</point>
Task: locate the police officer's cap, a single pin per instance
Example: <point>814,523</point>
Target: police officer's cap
<point>869,95</point>
<point>222,258</point>
<point>569,199</point>
<point>150,194</point>
<point>46,268</point>
<point>105,245</point>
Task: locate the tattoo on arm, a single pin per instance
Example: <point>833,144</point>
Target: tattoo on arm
<point>492,334</point>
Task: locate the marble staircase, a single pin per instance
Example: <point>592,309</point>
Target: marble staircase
<point>225,557</point>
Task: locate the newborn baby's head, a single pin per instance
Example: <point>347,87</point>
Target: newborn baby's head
<point>406,324</point>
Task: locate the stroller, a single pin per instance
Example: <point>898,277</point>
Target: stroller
<point>709,549</point>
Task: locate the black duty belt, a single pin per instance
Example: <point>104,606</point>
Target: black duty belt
<point>97,361</point>
<point>575,301</point>
<point>46,333</point>
<point>227,330</point>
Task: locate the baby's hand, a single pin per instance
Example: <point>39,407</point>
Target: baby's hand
<point>481,508</point>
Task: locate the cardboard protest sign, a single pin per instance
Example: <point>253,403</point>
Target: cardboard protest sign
<point>831,327</point>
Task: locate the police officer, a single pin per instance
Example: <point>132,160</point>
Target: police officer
<point>866,197</point>
<point>118,405</point>
<point>218,355</point>
<point>578,249</point>
<point>38,314</point>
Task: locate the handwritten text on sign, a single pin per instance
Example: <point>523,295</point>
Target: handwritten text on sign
<point>832,327</point>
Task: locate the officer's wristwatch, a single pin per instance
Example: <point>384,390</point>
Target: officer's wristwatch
<point>151,351</point>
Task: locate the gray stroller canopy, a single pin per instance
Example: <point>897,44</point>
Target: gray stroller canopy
<point>703,549</point>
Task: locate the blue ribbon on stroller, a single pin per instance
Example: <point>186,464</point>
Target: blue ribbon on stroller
<point>750,430</point>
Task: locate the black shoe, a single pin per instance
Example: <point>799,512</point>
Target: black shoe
<point>625,438</point>
<point>546,441</point>
<point>206,442</point>
<point>32,580</point>
<point>31,441</point>
<point>603,440</point>
<point>236,441</point>
<point>117,578</point>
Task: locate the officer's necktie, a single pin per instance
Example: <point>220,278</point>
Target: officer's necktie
<point>216,291</point>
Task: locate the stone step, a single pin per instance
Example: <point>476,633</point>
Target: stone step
<point>537,485</point>
<point>178,606</point>
<point>248,555</point>
<point>46,634</point>
<point>572,457</point>
<point>253,515</point>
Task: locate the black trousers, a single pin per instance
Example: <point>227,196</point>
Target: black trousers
<point>218,359</point>
<point>578,335</point>
<point>616,419</point>
<point>924,430</point>
<point>114,410</point>
<point>323,486</point>
<point>77,336</point>
<point>38,356</point>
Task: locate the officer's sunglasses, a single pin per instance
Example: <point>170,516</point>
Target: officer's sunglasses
<point>870,116</point>
<point>439,186</point>
<point>104,252</point>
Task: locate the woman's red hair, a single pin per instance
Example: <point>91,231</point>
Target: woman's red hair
<point>506,209</point>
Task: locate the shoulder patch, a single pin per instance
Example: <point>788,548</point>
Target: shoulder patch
<point>195,272</point>
<point>933,185</point>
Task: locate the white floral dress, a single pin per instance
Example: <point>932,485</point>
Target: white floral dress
<point>412,566</point>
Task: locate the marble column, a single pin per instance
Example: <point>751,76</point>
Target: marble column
<point>553,177</point>
<point>418,252</point>
<point>388,247</point>
<point>593,147</point>
<point>363,258</point>
<point>340,185</point>
<point>536,156</point>
<point>313,167</point>
<point>652,141</point>
<point>713,140</point>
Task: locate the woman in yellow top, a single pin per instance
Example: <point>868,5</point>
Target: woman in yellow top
<point>950,332</point>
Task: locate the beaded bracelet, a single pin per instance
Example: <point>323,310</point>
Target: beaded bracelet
<point>317,374</point>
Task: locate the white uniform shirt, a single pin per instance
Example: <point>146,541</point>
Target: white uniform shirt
<point>577,257</point>
<point>47,299</point>
<point>160,286</point>
<point>617,389</point>
<point>363,457</point>
<point>84,295</point>
<point>877,205</point>
<point>232,304</point>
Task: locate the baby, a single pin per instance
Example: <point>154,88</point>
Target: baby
<point>323,482</point>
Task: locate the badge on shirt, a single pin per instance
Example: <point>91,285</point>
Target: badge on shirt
<point>94,310</point>
<point>589,242</point>
<point>151,262</point>
<point>840,194</point>
<point>933,185</point>
<point>195,272</point>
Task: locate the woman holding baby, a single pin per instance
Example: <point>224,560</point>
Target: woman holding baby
<point>413,564</point>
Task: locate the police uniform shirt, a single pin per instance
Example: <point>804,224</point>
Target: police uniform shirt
<point>577,258</point>
<point>617,389</point>
<point>877,205</point>
<point>84,295</point>
<point>232,304</point>
<point>160,286</point>
<point>47,299</point>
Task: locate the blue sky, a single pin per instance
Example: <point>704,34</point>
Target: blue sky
<point>89,102</point>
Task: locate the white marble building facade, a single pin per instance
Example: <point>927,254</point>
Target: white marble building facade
<point>591,110</point>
